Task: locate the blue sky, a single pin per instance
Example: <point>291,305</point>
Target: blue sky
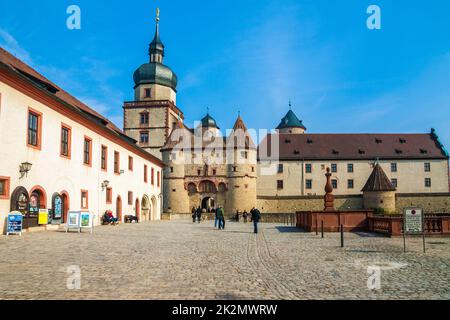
<point>252,56</point>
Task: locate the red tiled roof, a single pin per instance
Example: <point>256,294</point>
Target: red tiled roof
<point>351,146</point>
<point>22,69</point>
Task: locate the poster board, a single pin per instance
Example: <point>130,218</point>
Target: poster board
<point>14,223</point>
<point>43,217</point>
<point>86,221</point>
<point>413,224</point>
<point>73,220</point>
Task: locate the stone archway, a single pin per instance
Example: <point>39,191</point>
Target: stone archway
<point>154,210</point>
<point>145,208</point>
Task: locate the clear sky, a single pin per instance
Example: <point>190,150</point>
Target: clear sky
<point>252,56</point>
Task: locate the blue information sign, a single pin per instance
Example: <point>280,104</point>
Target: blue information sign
<point>14,226</point>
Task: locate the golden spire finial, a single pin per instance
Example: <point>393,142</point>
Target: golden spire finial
<point>157,15</point>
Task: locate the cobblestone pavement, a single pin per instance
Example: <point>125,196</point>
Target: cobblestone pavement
<point>180,260</point>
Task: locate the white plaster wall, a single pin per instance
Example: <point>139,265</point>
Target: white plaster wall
<point>55,173</point>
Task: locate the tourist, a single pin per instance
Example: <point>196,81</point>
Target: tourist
<point>237,215</point>
<point>199,214</point>
<point>221,216</point>
<point>216,217</point>
<point>244,215</point>
<point>256,216</point>
<point>194,214</point>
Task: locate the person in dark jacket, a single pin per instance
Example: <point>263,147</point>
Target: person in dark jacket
<point>221,216</point>
<point>256,216</point>
<point>194,214</point>
<point>244,215</point>
<point>199,214</point>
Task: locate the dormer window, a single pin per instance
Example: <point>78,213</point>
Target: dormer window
<point>423,151</point>
<point>402,140</point>
<point>309,141</point>
<point>287,140</point>
<point>377,140</point>
<point>361,151</point>
<point>335,151</point>
<point>296,152</point>
<point>398,151</point>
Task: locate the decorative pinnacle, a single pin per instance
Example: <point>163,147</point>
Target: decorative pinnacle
<point>290,104</point>
<point>157,15</point>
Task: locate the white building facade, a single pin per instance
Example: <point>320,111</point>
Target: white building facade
<point>58,154</point>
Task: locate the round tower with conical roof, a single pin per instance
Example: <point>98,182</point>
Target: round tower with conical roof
<point>378,192</point>
<point>241,169</point>
<point>291,123</point>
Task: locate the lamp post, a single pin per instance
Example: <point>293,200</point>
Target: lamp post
<point>105,184</point>
<point>24,168</point>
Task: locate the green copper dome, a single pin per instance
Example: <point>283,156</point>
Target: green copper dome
<point>209,122</point>
<point>290,120</point>
<point>155,73</point>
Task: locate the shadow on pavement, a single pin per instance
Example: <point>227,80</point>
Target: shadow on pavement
<point>290,229</point>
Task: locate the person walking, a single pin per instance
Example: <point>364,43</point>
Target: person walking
<point>256,216</point>
<point>199,214</point>
<point>244,215</point>
<point>216,217</point>
<point>220,215</point>
<point>194,214</point>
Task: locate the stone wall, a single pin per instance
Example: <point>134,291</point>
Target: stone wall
<point>431,203</point>
<point>291,204</point>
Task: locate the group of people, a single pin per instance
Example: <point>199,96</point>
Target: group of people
<point>219,217</point>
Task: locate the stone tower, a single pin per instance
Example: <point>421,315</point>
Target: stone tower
<point>150,118</point>
<point>241,169</point>
<point>378,192</point>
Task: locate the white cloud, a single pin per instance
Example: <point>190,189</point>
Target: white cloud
<point>10,44</point>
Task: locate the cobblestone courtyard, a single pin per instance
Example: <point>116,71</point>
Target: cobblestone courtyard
<point>180,260</point>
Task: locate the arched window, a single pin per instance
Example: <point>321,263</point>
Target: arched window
<point>207,186</point>
<point>192,188</point>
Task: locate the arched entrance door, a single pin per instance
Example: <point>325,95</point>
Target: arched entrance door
<point>208,203</point>
<point>38,200</point>
<point>119,208</point>
<point>65,201</point>
<point>145,208</point>
<point>57,208</point>
<point>19,202</point>
<point>138,209</point>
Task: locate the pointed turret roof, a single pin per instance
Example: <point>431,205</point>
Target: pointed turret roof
<point>378,181</point>
<point>239,124</point>
<point>290,120</point>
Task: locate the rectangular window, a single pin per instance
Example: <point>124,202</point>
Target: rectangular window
<point>393,167</point>
<point>143,137</point>
<point>34,129</point>
<point>350,184</point>
<point>130,163</point>
<point>84,199</point>
<point>334,183</point>
<point>116,162</point>
<point>427,182</point>
<point>66,137</point>
<point>145,173</point>
<point>148,93</point>
<point>394,182</point>
<point>158,179</point>
<point>244,154</point>
<point>280,168</point>
<point>130,198</point>
<point>199,172</point>
<point>108,195</point>
<point>152,176</point>
<point>308,168</point>
<point>279,184</point>
<point>427,166</point>
<point>87,151</point>
<point>214,172</point>
<point>350,167</point>
<point>333,167</point>
<point>171,169</point>
<point>309,184</point>
<point>4,187</point>
<point>104,157</point>
<point>144,118</point>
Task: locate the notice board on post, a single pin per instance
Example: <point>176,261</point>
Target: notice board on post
<point>413,224</point>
